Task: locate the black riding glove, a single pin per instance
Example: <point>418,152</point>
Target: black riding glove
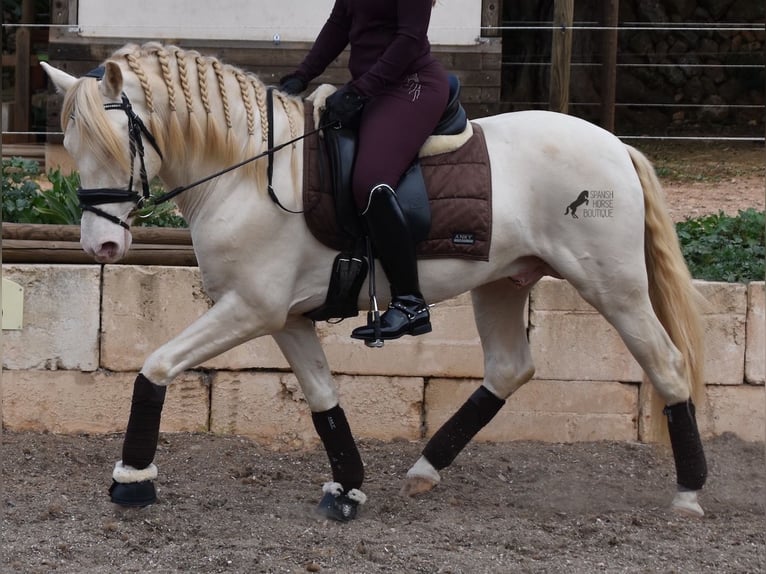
<point>345,106</point>
<point>292,84</point>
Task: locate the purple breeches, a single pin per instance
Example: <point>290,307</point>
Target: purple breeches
<point>394,126</point>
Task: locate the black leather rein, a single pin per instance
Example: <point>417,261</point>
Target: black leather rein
<point>137,130</point>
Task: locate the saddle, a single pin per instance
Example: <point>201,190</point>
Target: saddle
<point>340,150</point>
<point>332,215</point>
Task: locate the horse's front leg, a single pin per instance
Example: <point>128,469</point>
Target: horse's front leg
<point>499,313</point>
<point>300,345</point>
<point>228,323</point>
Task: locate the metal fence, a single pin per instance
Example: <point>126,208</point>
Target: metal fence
<point>673,80</point>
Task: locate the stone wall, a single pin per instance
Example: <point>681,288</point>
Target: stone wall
<point>683,81</point>
<point>87,329</point>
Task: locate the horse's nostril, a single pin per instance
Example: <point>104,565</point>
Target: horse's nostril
<point>108,249</point>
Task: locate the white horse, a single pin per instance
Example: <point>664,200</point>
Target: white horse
<point>187,116</point>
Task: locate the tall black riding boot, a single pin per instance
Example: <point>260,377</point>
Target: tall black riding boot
<point>390,235</point>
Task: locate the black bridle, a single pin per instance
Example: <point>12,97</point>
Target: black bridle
<point>90,198</point>
<point>137,130</point>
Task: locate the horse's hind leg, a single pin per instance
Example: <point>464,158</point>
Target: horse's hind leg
<point>663,363</point>
<point>499,313</point>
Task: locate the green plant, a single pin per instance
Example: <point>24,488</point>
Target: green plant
<point>26,201</point>
<point>725,248</point>
<point>59,203</point>
<point>21,191</point>
<point>162,215</point>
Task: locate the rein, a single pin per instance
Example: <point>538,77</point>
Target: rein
<point>90,198</point>
<point>272,149</point>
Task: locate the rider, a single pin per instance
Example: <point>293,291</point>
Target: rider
<point>396,96</point>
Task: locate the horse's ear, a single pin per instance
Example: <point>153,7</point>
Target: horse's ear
<point>111,86</point>
<point>60,78</point>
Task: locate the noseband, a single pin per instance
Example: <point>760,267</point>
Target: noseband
<point>137,130</point>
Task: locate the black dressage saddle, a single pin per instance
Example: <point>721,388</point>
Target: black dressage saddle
<point>339,148</point>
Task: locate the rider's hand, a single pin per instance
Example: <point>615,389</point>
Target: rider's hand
<point>292,84</point>
<point>345,106</point>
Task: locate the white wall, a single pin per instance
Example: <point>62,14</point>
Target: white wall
<point>453,21</point>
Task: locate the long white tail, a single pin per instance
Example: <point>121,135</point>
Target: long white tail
<point>675,299</point>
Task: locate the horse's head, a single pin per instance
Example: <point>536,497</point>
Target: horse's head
<point>104,133</point>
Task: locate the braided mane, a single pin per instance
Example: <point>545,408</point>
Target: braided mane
<point>195,106</point>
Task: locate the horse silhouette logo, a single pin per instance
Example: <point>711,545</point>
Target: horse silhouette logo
<point>572,207</point>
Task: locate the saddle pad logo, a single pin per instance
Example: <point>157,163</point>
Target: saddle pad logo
<point>463,239</point>
<point>598,203</point>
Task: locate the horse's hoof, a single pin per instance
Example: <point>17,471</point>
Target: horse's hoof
<point>338,505</point>
<point>417,485</point>
<point>133,494</point>
<point>685,503</point>
<point>339,508</point>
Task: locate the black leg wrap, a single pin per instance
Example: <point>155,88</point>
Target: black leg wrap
<point>144,423</point>
<point>689,456</point>
<point>452,437</point>
<point>345,461</point>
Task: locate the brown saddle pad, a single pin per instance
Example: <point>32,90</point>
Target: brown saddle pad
<point>459,192</point>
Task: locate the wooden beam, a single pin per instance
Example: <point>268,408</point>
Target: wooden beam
<point>70,252</point>
<point>141,235</point>
<point>32,243</point>
<point>63,12</point>
<point>491,17</point>
<point>28,11</point>
<point>23,85</point>
<point>22,96</point>
<point>32,151</point>
<point>561,55</point>
<point>609,63</point>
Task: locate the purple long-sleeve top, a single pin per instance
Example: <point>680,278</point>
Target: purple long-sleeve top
<point>389,41</point>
